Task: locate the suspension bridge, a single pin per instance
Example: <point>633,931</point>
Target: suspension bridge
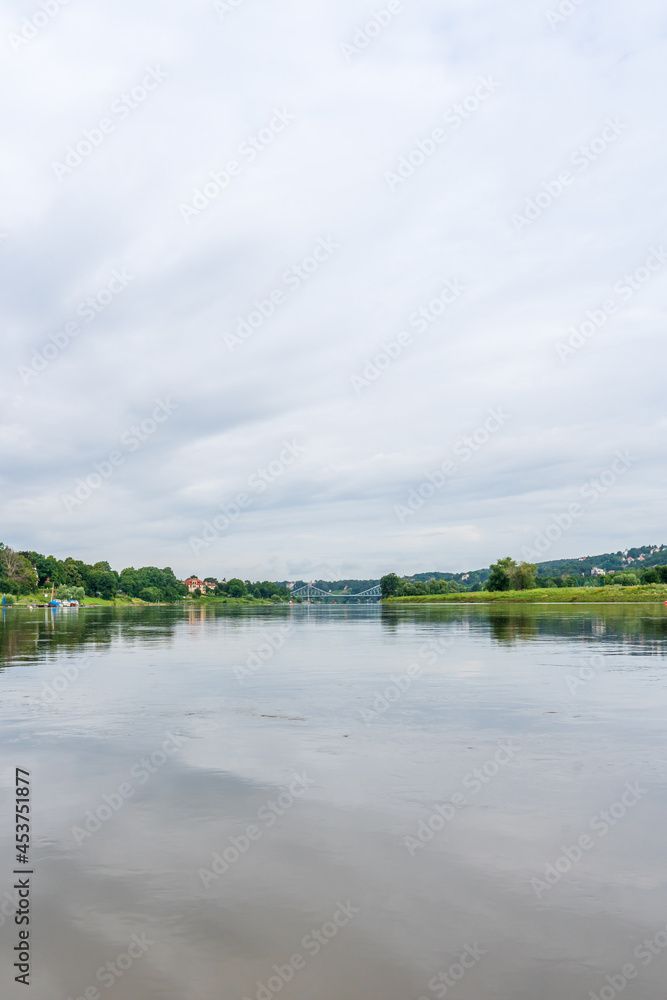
<point>310,591</point>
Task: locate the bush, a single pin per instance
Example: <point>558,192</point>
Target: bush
<point>626,579</point>
<point>150,594</point>
<point>9,599</point>
<point>66,593</point>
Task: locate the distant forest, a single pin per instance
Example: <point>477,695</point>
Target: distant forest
<point>26,572</point>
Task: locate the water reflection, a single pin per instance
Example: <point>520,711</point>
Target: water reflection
<point>165,810</point>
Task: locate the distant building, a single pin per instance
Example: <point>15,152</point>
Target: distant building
<point>193,583</point>
<point>630,559</point>
<point>596,571</point>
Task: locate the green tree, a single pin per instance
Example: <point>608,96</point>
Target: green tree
<point>236,588</point>
<point>522,577</point>
<point>67,593</point>
<point>390,585</point>
<point>500,578</point>
<point>17,570</point>
<point>627,579</point>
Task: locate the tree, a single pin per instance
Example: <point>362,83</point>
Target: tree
<point>500,578</point>
<point>236,588</point>
<point>390,585</point>
<point>522,577</point>
<point>67,593</point>
<point>18,570</point>
<point>627,579</point>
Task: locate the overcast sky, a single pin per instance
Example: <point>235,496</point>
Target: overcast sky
<point>498,167</point>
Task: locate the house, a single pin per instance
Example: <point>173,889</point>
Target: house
<point>193,583</point>
<point>596,571</point>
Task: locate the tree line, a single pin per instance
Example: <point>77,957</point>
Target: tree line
<point>243,588</point>
<point>506,574</point>
<point>27,572</point>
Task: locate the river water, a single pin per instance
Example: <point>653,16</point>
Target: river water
<point>338,803</point>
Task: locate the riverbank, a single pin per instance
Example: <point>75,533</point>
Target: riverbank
<point>648,594</point>
<point>31,600</point>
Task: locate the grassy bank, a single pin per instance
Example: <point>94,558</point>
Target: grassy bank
<point>27,599</point>
<point>123,602</point>
<point>653,593</point>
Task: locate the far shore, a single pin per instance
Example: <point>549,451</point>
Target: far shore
<point>649,594</point>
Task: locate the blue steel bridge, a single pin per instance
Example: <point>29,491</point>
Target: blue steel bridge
<point>310,591</point>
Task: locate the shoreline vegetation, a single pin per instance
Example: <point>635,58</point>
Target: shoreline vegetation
<point>509,583</point>
<point>648,594</point>
<point>30,579</point>
<point>37,600</point>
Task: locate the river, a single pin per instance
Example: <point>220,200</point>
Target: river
<point>338,803</point>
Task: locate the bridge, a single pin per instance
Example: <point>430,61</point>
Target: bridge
<point>311,591</point>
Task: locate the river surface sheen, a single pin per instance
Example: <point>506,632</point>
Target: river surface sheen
<point>338,803</point>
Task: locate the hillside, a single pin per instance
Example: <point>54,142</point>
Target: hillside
<point>631,559</point>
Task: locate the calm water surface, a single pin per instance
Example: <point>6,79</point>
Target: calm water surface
<point>244,804</point>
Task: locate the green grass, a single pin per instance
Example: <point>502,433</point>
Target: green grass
<point>38,598</point>
<point>652,593</point>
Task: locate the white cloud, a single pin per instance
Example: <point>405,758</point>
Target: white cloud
<point>324,176</point>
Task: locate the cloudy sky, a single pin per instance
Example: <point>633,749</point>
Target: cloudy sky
<point>279,260</point>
